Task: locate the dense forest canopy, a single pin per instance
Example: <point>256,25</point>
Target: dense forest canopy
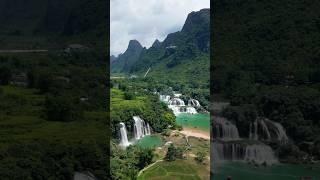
<point>266,63</point>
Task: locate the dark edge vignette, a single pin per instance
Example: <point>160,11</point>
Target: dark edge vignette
<point>108,86</point>
<point>211,84</point>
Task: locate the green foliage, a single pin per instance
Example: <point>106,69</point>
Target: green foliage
<point>200,156</point>
<point>5,75</point>
<point>174,153</point>
<point>62,108</point>
<point>147,106</point>
<point>129,96</point>
<point>125,164</point>
<point>179,169</point>
<point>145,157</point>
<point>42,160</point>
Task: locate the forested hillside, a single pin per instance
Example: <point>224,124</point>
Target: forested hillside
<point>266,63</point>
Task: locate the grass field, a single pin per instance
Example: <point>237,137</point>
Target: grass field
<point>176,170</point>
<point>22,120</point>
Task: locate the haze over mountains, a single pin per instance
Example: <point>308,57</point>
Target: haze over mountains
<point>190,46</point>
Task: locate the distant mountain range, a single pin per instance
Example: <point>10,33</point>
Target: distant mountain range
<point>190,47</point>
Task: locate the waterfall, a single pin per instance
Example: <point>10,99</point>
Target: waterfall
<point>224,129</point>
<point>178,106</point>
<point>235,151</point>
<point>265,129</point>
<point>260,153</point>
<point>141,128</point>
<point>147,129</point>
<point>228,152</point>
<point>191,110</point>
<point>228,146</point>
<point>255,135</point>
<point>176,102</point>
<point>279,130</point>
<point>194,103</point>
<point>182,109</point>
<point>250,131</point>
<point>123,135</point>
<point>176,110</point>
<point>164,98</point>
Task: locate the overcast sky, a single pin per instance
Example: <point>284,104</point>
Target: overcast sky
<point>147,20</point>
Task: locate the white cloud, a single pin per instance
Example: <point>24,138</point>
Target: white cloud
<point>147,20</point>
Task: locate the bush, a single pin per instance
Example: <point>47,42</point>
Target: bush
<point>5,75</point>
<point>129,96</point>
<point>145,157</point>
<point>174,153</point>
<point>200,156</point>
<point>61,108</point>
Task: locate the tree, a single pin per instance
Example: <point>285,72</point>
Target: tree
<point>174,153</point>
<point>44,82</point>
<point>171,153</point>
<point>62,108</point>
<point>200,156</point>
<point>5,75</point>
<point>145,157</point>
<point>129,96</point>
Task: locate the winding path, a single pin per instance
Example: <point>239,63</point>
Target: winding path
<point>142,170</point>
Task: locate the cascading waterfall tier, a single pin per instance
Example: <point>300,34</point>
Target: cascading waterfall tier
<point>224,129</point>
<point>141,128</point>
<point>176,102</point>
<point>279,131</point>
<point>123,135</point>
<point>194,103</point>
<point>260,153</point>
<point>265,129</point>
<point>238,151</point>
<point>228,146</point>
<point>178,106</point>
<point>164,98</point>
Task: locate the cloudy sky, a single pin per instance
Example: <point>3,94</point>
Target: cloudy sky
<point>147,20</point>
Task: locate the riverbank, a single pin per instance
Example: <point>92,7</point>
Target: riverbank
<point>196,133</point>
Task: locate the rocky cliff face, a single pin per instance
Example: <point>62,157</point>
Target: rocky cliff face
<point>128,58</point>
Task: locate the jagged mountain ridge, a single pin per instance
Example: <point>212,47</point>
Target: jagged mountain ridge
<point>124,61</point>
<point>179,48</point>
